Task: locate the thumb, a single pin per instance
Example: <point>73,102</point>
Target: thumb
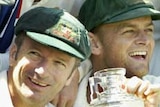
<point>55,100</point>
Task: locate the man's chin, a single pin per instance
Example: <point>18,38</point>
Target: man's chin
<point>139,72</point>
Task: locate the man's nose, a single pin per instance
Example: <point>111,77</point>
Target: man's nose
<point>43,70</point>
<point>143,38</point>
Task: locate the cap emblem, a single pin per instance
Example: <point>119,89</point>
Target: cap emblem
<point>65,31</point>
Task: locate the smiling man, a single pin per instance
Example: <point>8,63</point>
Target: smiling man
<point>49,45</point>
<point>121,33</point>
<point>127,44</point>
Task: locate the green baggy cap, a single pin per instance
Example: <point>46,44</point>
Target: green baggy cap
<point>55,28</point>
<point>96,12</point>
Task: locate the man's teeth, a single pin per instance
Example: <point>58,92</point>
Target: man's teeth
<point>138,53</point>
<point>38,83</point>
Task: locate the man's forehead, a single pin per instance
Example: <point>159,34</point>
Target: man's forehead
<point>34,45</point>
<point>147,21</point>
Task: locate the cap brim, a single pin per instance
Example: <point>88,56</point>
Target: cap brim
<point>139,12</point>
<point>54,42</point>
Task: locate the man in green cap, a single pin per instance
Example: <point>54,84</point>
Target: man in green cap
<point>121,33</point>
<point>49,45</point>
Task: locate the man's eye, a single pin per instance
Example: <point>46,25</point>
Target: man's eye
<point>128,31</point>
<point>149,30</point>
<point>34,55</point>
<point>59,63</point>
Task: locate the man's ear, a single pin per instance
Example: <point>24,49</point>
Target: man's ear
<point>12,54</point>
<point>96,46</point>
<point>74,78</point>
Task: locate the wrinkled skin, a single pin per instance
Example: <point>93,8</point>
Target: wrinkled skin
<point>37,73</point>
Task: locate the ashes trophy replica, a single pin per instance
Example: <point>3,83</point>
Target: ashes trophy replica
<point>106,90</point>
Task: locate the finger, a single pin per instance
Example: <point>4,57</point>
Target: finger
<point>55,101</point>
<point>65,103</point>
<point>153,91</point>
<point>142,88</point>
<point>133,84</point>
<point>124,82</point>
<point>62,104</point>
<point>69,104</point>
<point>147,104</point>
<point>151,100</point>
<point>154,88</point>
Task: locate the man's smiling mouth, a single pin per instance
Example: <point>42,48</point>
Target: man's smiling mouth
<point>138,54</point>
<point>39,83</point>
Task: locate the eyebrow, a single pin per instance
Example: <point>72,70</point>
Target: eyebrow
<point>123,25</point>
